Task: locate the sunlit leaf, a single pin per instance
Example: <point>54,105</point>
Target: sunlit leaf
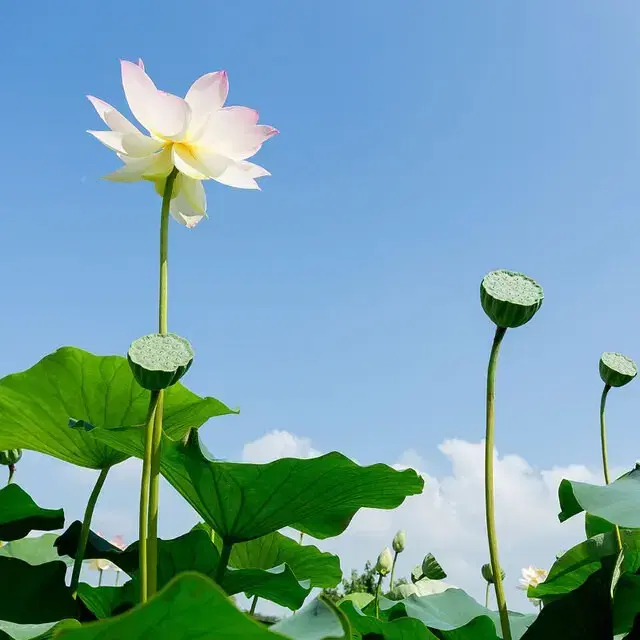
<point>53,406</point>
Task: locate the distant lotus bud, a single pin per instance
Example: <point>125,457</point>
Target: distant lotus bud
<point>10,457</point>
<point>158,361</point>
<point>487,573</point>
<point>385,562</point>
<point>399,542</point>
<point>617,370</point>
<point>510,299</point>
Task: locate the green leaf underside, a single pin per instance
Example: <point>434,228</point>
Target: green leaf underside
<point>453,614</point>
<point>241,502</point>
<point>11,631</point>
<point>306,561</point>
<point>431,568</point>
<point>34,594</point>
<point>37,405</point>
<point>618,502</point>
<point>399,629</point>
<point>34,550</point>
<point>19,514</point>
<point>192,606</point>
<point>573,568</point>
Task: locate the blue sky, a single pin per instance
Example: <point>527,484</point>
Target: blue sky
<point>422,144</point>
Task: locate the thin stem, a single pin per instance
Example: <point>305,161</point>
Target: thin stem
<point>154,498</point>
<point>603,444</point>
<point>84,531</point>
<point>486,596</point>
<point>488,485</point>
<point>117,578</point>
<point>377,598</point>
<point>144,497</point>
<point>155,438</point>
<point>254,602</point>
<point>164,250</point>
<point>301,538</point>
<point>12,470</point>
<point>101,571</point>
<point>225,554</point>
<point>393,570</point>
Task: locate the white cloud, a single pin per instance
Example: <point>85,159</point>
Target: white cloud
<point>448,518</point>
<point>278,444</point>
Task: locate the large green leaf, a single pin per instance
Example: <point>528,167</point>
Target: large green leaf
<point>240,501</point>
<point>19,514</point>
<point>192,606</point>
<point>321,569</point>
<point>573,568</point>
<point>280,585</point>
<point>398,629</point>
<point>582,614</point>
<point>618,502</point>
<point>626,604</point>
<point>34,594</point>
<point>74,387</point>
<point>193,551</point>
<point>453,614</point>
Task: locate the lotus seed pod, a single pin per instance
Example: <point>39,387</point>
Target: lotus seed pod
<point>487,573</point>
<point>158,361</point>
<point>399,541</point>
<point>510,299</point>
<point>617,370</point>
<point>385,562</point>
<point>10,457</point>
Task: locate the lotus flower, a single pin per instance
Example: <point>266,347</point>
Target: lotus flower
<point>532,577</point>
<point>98,564</point>
<point>196,134</point>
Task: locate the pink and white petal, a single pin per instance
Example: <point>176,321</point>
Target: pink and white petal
<point>237,143</point>
<point>135,144</point>
<point>254,170</point>
<point>186,163</point>
<point>152,167</point>
<point>183,212</point>
<point>194,193</point>
<point>214,163</point>
<point>112,117</point>
<point>132,171</point>
<point>229,122</point>
<point>161,113</point>
<point>241,175</point>
<point>110,139</point>
<point>140,63</point>
<point>206,96</point>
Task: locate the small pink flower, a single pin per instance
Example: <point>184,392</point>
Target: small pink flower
<point>196,134</point>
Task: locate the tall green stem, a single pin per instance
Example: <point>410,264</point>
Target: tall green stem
<point>144,497</point>
<point>488,484</point>
<point>377,598</point>
<point>393,570</point>
<point>12,470</point>
<point>156,437</point>
<point>603,444</point>
<point>486,596</point>
<point>225,554</point>
<point>84,531</point>
<point>254,603</point>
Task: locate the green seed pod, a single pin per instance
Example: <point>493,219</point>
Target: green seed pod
<point>385,562</point>
<point>399,542</point>
<point>487,573</point>
<point>510,299</point>
<point>10,457</point>
<point>158,361</point>
<point>617,370</point>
